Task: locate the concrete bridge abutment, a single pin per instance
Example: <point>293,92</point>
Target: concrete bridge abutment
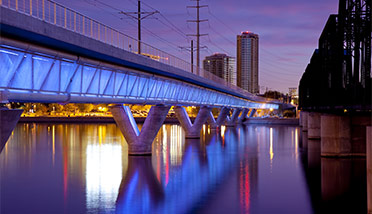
<point>139,143</point>
<point>8,121</point>
<point>192,129</point>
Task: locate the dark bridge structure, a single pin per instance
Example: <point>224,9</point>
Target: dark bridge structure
<point>335,90</point>
<point>338,76</point>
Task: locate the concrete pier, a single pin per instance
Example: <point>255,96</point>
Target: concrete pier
<point>369,169</point>
<point>313,125</point>
<point>192,130</point>
<point>303,118</point>
<point>139,143</point>
<point>252,112</point>
<point>222,116</point>
<point>234,117</point>
<point>335,135</point>
<point>214,124</point>
<point>211,121</point>
<point>8,121</point>
<point>243,116</point>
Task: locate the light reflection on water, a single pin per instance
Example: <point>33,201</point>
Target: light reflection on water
<point>84,168</point>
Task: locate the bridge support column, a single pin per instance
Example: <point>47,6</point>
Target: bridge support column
<point>252,112</point>
<point>313,125</point>
<point>369,169</point>
<point>303,116</point>
<point>220,119</point>
<point>139,143</point>
<point>243,115</point>
<point>335,135</point>
<point>232,120</point>
<point>211,121</point>
<point>192,130</point>
<point>8,121</point>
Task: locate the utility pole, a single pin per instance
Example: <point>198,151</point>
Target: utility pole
<point>139,18</point>
<point>198,35</point>
<point>192,56</point>
<point>192,50</point>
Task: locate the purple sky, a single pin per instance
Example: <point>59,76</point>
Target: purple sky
<point>288,29</point>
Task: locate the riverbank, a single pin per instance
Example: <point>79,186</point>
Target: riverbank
<point>168,120</point>
<point>98,119</point>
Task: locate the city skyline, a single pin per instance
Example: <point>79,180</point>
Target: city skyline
<point>289,30</point>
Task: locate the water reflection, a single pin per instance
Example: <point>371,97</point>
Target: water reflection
<point>140,190</point>
<point>73,168</point>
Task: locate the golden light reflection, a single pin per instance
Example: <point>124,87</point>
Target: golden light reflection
<point>165,154</point>
<point>103,174</point>
<point>271,145</point>
<point>176,145</point>
<point>100,137</point>
<point>296,143</point>
<point>223,128</point>
<point>54,142</point>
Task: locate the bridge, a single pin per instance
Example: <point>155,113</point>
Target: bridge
<point>52,54</point>
<point>337,110</point>
<point>339,105</point>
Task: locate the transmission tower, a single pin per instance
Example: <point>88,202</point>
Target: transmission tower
<point>139,18</point>
<point>198,35</point>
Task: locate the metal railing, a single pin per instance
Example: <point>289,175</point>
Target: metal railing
<point>64,17</point>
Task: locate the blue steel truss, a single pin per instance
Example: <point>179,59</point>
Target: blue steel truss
<point>28,76</point>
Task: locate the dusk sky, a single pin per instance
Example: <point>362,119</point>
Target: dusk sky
<point>288,29</point>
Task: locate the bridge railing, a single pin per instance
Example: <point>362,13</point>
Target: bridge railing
<point>64,17</point>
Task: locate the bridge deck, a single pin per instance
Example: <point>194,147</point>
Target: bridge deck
<point>31,29</point>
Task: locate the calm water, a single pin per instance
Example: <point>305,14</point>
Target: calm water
<point>80,168</point>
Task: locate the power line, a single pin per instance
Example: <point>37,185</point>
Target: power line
<point>198,34</point>
<point>223,23</point>
<point>139,18</point>
<point>218,47</point>
<point>170,44</point>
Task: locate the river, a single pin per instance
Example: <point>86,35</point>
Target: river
<point>85,168</point>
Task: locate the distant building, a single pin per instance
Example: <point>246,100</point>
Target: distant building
<point>247,62</point>
<point>292,92</point>
<point>293,96</point>
<point>221,65</point>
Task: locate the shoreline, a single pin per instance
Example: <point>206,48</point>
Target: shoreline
<point>84,120</point>
<point>168,120</point>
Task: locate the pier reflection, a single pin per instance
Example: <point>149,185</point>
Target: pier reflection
<point>336,185</point>
<point>140,191</point>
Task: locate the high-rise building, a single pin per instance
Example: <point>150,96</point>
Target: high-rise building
<point>247,62</point>
<point>221,65</point>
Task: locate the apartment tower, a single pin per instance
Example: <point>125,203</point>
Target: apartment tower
<point>247,62</point>
<point>221,65</point>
